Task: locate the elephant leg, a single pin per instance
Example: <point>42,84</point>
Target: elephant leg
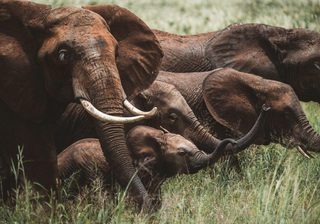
<point>38,158</point>
<point>6,179</point>
<point>39,155</point>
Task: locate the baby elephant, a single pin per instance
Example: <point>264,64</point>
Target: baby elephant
<point>157,155</point>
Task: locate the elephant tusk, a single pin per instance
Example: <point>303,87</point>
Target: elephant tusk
<point>135,111</point>
<point>108,118</point>
<point>305,153</point>
<point>164,130</point>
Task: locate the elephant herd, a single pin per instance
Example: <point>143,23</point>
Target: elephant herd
<point>72,80</point>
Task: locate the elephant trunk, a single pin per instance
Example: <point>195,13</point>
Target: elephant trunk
<point>206,142</point>
<point>249,138</point>
<point>201,137</point>
<point>114,147</point>
<point>107,95</point>
<point>309,137</point>
<point>201,159</point>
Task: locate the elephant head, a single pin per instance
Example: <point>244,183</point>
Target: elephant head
<point>228,92</point>
<point>96,55</point>
<point>175,115</point>
<point>287,55</point>
<point>172,153</point>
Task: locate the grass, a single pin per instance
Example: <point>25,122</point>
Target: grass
<point>277,185</point>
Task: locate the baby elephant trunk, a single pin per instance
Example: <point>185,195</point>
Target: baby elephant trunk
<point>249,138</point>
<point>206,142</point>
<point>202,159</point>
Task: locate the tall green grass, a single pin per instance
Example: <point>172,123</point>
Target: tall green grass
<point>277,185</point>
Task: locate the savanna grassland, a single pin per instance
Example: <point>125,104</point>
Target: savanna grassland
<point>277,185</point>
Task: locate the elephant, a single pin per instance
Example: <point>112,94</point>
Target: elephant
<point>231,99</point>
<point>95,56</point>
<point>157,155</point>
<point>173,115</point>
<point>287,55</point>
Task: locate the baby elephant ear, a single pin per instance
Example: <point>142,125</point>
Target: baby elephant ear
<point>139,53</point>
<point>233,98</point>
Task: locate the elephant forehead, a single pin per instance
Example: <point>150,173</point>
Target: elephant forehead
<point>73,16</point>
<point>175,141</point>
<point>169,94</point>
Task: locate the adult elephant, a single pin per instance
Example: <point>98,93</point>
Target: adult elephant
<point>50,57</point>
<point>231,99</point>
<point>286,55</point>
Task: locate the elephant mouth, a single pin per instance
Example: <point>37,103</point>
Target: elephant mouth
<point>194,169</point>
<point>291,142</point>
<point>81,95</point>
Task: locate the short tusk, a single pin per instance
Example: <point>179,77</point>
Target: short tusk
<point>164,130</point>
<point>135,111</point>
<point>108,118</point>
<point>305,153</point>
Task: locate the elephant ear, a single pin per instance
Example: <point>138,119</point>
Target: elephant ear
<point>233,98</point>
<point>252,48</point>
<point>139,53</point>
<point>21,87</point>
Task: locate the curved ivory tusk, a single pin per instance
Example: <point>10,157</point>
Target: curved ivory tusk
<point>164,130</point>
<point>304,153</point>
<point>105,117</point>
<point>135,111</point>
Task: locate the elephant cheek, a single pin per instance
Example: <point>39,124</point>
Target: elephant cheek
<point>60,90</point>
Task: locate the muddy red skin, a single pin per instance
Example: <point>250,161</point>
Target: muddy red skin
<point>286,55</point>
<point>50,57</point>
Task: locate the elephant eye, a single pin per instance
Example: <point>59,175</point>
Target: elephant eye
<point>316,64</point>
<point>182,152</point>
<point>63,56</point>
<point>173,117</point>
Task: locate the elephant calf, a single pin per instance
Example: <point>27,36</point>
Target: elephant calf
<point>157,155</point>
<point>232,99</point>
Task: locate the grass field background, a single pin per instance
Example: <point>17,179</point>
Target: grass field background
<point>277,185</point>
